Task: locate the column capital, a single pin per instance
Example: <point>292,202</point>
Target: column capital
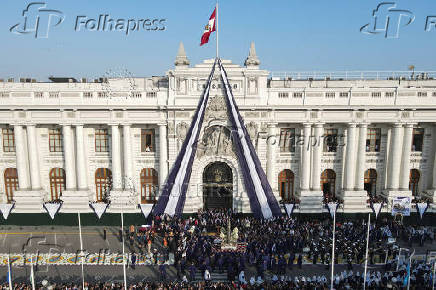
<point>126,124</point>
<point>113,124</point>
<point>364,125</point>
<point>162,124</point>
<point>410,125</point>
<point>352,125</point>
<point>319,125</point>
<point>272,124</point>
<point>307,124</point>
<point>78,124</point>
<point>397,125</point>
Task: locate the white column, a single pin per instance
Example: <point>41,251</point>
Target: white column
<point>350,158</point>
<point>69,158</point>
<point>23,173</point>
<point>317,150</point>
<point>116,158</point>
<point>32,148</point>
<point>361,157</point>
<point>272,143</point>
<point>395,157</point>
<point>405,159</point>
<point>305,157</point>
<point>127,150</point>
<point>163,154</point>
<point>82,182</point>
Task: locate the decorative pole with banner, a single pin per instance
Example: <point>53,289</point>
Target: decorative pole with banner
<point>376,208</point>
<point>422,208</point>
<point>6,209</point>
<point>32,274</point>
<point>333,250</point>
<point>9,273</point>
<point>367,248</point>
<point>81,249</point>
<point>217,46</point>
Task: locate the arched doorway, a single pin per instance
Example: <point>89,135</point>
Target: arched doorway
<point>286,185</point>
<point>414,181</point>
<point>370,184</point>
<point>217,186</point>
<point>328,183</point>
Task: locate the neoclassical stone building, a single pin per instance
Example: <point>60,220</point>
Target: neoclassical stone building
<point>346,136</point>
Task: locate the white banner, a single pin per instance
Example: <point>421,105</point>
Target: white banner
<point>401,205</point>
<point>289,207</point>
<point>6,209</point>
<point>332,206</point>
<point>146,209</point>
<point>99,208</point>
<point>376,207</point>
<point>422,207</point>
<point>52,208</point>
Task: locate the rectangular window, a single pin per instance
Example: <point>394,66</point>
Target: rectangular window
<point>418,139</point>
<point>422,94</point>
<point>389,94</point>
<point>101,140</point>
<point>55,140</point>
<point>151,94</point>
<point>8,140</point>
<point>373,139</point>
<point>376,94</point>
<point>330,140</point>
<point>283,95</point>
<point>330,95</point>
<point>287,140</point>
<point>298,95</point>
<point>343,94</point>
<point>87,94</point>
<point>147,140</point>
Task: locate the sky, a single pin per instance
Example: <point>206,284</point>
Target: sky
<point>290,35</point>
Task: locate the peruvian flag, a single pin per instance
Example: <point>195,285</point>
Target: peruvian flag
<point>210,27</point>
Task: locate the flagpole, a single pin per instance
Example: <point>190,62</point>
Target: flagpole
<point>9,273</point>
<point>409,269</point>
<point>217,51</point>
<point>366,255</point>
<point>81,249</point>
<point>32,275</point>
<point>333,250</point>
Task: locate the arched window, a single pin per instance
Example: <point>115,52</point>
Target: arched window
<point>149,185</point>
<point>11,183</point>
<point>413,181</point>
<point>57,182</point>
<point>286,184</point>
<point>370,182</point>
<point>328,183</point>
<point>103,182</point>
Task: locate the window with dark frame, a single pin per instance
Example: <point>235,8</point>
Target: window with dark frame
<point>330,140</point>
<point>370,182</point>
<point>286,185</point>
<point>11,183</point>
<point>103,183</point>
<point>149,185</point>
<point>57,182</point>
<point>147,140</point>
<point>373,140</point>
<point>328,183</point>
<point>55,140</point>
<point>8,140</point>
<point>287,140</point>
<point>418,139</point>
<point>101,140</point>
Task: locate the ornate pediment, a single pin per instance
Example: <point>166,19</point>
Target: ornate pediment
<point>216,109</point>
<point>216,140</point>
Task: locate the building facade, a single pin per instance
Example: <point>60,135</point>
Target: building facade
<point>317,137</point>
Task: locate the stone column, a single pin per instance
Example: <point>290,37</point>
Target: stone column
<point>361,157</point>
<point>32,148</point>
<point>163,154</point>
<point>272,143</point>
<point>405,159</point>
<point>69,158</point>
<point>395,157</point>
<point>82,182</point>
<point>305,157</point>
<point>317,151</point>
<point>350,160</point>
<point>127,150</point>
<point>23,173</point>
<point>116,158</point>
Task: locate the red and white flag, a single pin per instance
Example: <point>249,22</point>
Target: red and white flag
<point>210,27</point>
